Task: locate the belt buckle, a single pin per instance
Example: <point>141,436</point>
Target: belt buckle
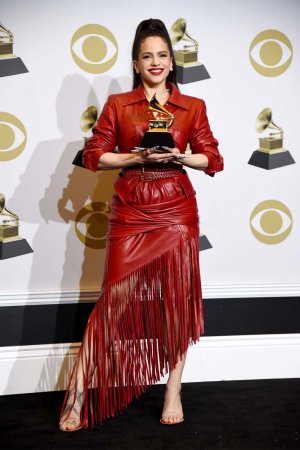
<point>147,176</point>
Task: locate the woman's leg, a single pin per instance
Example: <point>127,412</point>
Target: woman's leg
<point>87,363</point>
<point>172,410</point>
<point>71,417</point>
<point>81,379</point>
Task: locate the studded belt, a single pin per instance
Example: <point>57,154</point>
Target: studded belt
<point>149,174</point>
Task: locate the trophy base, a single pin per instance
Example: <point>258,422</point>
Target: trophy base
<point>10,249</point>
<point>157,138</point>
<point>12,66</point>
<point>271,161</point>
<point>191,74</point>
<point>77,161</point>
<point>204,243</point>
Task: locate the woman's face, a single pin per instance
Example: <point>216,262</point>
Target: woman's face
<point>154,61</point>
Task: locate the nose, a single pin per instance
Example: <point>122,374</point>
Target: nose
<point>155,60</point>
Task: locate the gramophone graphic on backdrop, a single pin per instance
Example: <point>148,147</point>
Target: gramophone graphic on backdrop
<point>189,69</point>
<point>87,121</point>
<point>10,64</point>
<point>204,243</point>
<point>270,154</point>
<point>11,244</point>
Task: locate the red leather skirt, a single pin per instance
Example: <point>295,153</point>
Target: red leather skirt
<point>150,306</point>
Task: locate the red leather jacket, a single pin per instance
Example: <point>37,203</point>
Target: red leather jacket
<point>124,121</point>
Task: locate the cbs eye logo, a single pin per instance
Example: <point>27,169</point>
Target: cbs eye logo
<point>91,224</point>
<point>13,136</point>
<point>271,53</point>
<point>94,48</point>
<point>271,222</point>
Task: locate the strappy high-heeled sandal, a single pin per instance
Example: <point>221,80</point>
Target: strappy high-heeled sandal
<point>172,416</point>
<point>181,419</point>
<point>75,406</point>
<point>67,422</point>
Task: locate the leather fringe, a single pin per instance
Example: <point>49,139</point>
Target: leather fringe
<point>137,331</point>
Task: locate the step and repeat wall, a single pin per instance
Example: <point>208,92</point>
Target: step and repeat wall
<point>59,58</point>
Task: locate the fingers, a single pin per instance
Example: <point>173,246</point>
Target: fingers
<point>150,156</point>
<point>159,157</point>
<point>180,156</point>
<point>174,151</point>
<point>160,154</point>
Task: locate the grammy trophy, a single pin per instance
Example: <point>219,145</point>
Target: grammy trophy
<point>160,120</point>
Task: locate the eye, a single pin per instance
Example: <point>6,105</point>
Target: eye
<point>94,48</point>
<point>13,136</point>
<point>271,53</point>
<point>91,224</point>
<point>271,222</point>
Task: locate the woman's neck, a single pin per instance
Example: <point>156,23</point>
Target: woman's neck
<point>161,92</point>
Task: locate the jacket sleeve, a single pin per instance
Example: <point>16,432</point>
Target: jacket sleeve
<point>202,141</point>
<point>104,137</point>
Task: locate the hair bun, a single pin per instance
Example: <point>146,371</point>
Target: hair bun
<point>151,24</point>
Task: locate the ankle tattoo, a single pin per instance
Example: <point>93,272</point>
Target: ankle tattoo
<point>75,400</point>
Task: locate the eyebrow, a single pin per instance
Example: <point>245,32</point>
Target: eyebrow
<point>151,53</point>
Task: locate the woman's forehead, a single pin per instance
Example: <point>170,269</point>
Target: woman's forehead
<point>153,43</point>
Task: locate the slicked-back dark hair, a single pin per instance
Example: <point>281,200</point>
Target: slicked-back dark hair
<point>148,28</point>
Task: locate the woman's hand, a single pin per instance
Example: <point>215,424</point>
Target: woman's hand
<point>164,155</point>
<point>110,160</point>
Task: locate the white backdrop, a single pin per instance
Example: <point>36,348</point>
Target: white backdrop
<point>50,99</point>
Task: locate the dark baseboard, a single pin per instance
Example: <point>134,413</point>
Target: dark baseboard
<point>59,323</point>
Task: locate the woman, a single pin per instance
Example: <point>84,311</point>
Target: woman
<point>150,305</point>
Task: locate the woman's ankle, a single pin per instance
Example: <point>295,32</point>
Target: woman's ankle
<point>173,387</point>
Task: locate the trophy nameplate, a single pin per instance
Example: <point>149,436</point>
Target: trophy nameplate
<point>270,154</point>
<point>204,243</point>
<point>160,120</point>
<point>10,64</point>
<point>11,244</point>
<point>188,68</point>
<point>87,121</point>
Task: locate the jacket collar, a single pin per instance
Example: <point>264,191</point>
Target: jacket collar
<point>138,94</point>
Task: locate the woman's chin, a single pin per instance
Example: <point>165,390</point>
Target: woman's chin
<point>155,80</point>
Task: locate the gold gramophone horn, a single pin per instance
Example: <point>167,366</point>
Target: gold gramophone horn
<point>2,202</point>
<point>264,121</point>
<point>155,106</point>
<point>5,212</point>
<point>5,30</point>
<point>88,118</point>
<point>178,33</point>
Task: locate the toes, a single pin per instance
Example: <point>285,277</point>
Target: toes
<point>68,425</point>
<point>171,420</point>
